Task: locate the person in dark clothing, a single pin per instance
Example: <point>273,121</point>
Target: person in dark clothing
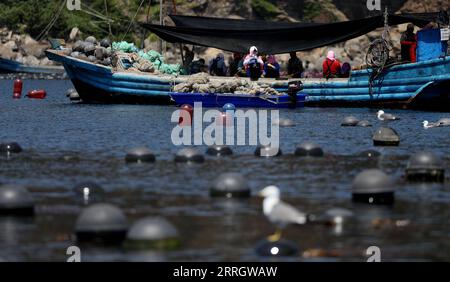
<point>188,58</point>
<point>345,70</point>
<point>234,64</point>
<point>408,42</point>
<point>197,66</point>
<point>217,66</point>
<point>271,67</point>
<point>295,66</point>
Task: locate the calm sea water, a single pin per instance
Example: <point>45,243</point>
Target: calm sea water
<point>68,143</point>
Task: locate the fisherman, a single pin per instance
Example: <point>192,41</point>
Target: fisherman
<point>295,66</point>
<point>234,63</point>
<point>197,66</point>
<point>408,42</point>
<point>217,66</point>
<point>254,65</point>
<point>331,66</point>
<point>271,67</point>
<point>241,69</point>
<point>345,70</point>
<point>188,58</point>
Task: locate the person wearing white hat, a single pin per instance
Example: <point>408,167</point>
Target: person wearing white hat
<point>253,63</point>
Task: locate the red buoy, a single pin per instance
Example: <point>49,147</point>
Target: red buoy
<point>18,86</point>
<point>186,115</point>
<point>37,94</point>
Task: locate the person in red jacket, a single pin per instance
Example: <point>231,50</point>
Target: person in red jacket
<point>331,66</point>
<point>409,44</point>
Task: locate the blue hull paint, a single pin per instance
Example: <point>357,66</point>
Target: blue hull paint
<point>8,66</point>
<point>422,85</point>
<point>240,101</point>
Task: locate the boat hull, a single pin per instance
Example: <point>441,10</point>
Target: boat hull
<point>422,86</point>
<point>8,66</point>
<point>240,101</point>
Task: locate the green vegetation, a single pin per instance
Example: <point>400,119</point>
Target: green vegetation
<point>265,9</point>
<point>32,16</point>
<point>312,9</point>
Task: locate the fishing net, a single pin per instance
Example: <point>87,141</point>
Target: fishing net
<point>125,47</point>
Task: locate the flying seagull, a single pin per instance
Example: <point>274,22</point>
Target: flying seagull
<point>278,212</point>
<point>427,124</point>
<point>386,117</point>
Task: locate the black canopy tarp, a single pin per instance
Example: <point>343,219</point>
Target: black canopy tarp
<point>420,19</point>
<point>239,35</point>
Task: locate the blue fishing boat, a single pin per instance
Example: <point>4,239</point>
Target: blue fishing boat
<point>100,84</point>
<point>9,66</point>
<point>421,85</point>
<point>214,100</point>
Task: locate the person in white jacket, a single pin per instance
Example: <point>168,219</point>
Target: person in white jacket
<point>253,63</point>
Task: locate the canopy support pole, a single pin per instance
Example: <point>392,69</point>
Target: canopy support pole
<point>161,22</point>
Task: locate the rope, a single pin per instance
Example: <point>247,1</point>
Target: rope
<point>378,54</point>
<point>132,20</point>
<point>109,23</point>
<point>52,22</point>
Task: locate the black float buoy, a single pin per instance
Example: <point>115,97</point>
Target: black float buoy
<point>373,187</point>
<point>425,167</point>
<point>189,155</point>
<point>230,185</point>
<point>309,149</point>
<point>15,200</point>
<point>350,121</point>
<point>88,191</point>
<point>281,248</point>
<point>219,150</point>
<point>140,155</point>
<point>364,123</point>
<point>153,232</point>
<point>11,147</point>
<point>386,136</point>
<point>103,223</point>
<point>268,151</point>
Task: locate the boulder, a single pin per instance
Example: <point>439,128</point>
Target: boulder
<point>6,52</point>
<point>91,39</point>
<point>78,46</point>
<point>105,43</point>
<point>89,49</point>
<point>28,40</point>
<point>100,53</point>
<point>36,50</point>
<point>45,62</point>
<point>30,60</point>
<point>75,34</point>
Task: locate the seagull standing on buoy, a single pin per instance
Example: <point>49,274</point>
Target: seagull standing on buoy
<point>386,117</point>
<point>278,212</point>
<point>427,124</point>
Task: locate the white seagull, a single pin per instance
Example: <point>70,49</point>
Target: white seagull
<point>386,117</point>
<point>278,212</point>
<point>427,124</point>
